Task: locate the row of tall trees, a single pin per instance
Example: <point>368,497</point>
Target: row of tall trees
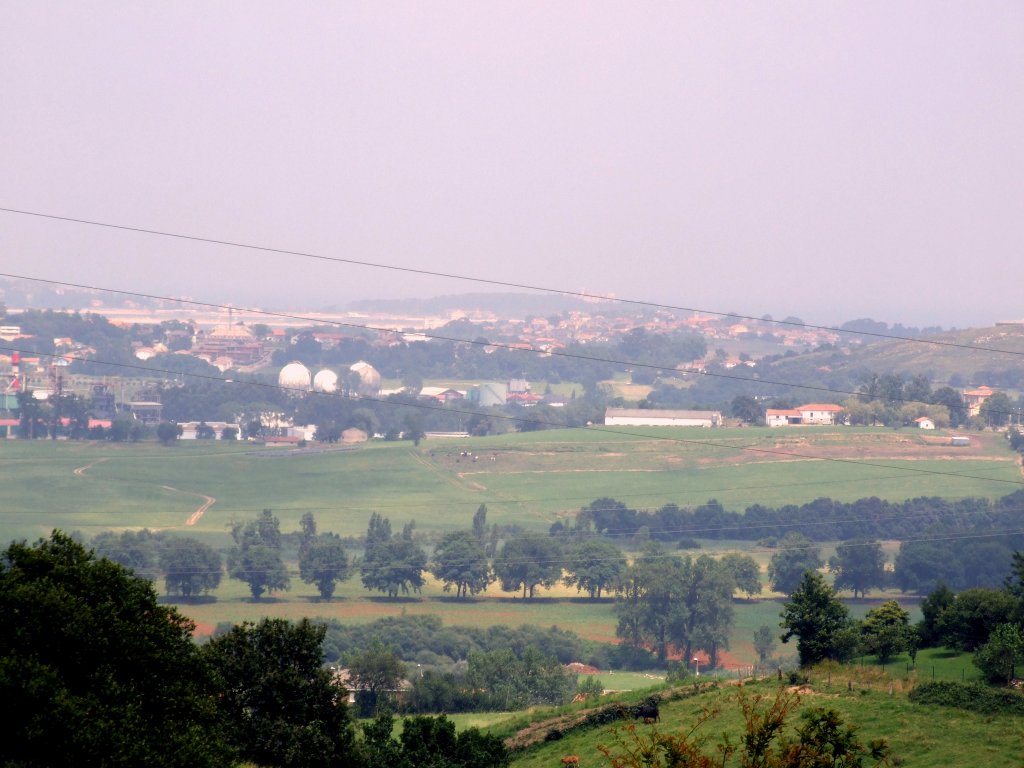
<point>823,519</point>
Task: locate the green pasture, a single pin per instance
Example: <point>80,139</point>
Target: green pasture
<point>529,479</point>
<point>923,736</point>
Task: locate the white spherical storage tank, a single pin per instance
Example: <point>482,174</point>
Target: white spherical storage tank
<point>325,381</point>
<point>294,376</point>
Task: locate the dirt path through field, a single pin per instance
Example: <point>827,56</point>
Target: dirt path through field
<point>80,471</point>
<point>208,502</point>
<point>456,479</point>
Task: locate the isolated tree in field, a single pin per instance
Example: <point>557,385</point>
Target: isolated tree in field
<point>375,674</point>
<point>886,631</point>
<point>392,563</point>
<point>167,432</point>
<point>748,409</point>
<point>816,618</point>
<point>764,642</point>
<point>190,567</point>
<point>324,563</point>
<point>94,670</point>
<point>280,704</point>
<point>796,554</point>
<point>480,523</point>
<point>413,429</point>
<point>256,556</point>
<point>745,572</point>
<point>460,562</point>
<point>594,566</point>
<point>528,561</point>
<point>998,658</point>
<point>858,565</point>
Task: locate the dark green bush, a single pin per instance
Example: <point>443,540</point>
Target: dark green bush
<point>971,696</point>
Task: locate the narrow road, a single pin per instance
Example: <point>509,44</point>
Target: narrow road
<point>208,501</point>
<point>80,472</point>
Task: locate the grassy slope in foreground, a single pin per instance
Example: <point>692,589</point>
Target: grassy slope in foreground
<point>923,736</point>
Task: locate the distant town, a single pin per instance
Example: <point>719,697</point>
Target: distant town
<point>122,371</point>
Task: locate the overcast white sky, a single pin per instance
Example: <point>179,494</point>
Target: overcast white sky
<point>827,160</point>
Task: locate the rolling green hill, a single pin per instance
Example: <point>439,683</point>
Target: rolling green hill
<point>924,736</point>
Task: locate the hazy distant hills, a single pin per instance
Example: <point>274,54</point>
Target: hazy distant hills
<point>504,305</point>
<point>959,358</point>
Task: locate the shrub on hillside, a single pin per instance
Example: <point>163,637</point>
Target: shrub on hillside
<point>970,696</point>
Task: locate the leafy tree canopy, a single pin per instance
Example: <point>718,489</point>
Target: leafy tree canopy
<point>94,671</point>
<point>281,705</point>
<point>816,618</point>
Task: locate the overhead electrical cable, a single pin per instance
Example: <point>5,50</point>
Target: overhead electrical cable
<point>483,280</point>
<point>476,342</point>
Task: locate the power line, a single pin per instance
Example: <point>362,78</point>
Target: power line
<point>476,342</point>
<point>544,423</point>
<point>483,280</point>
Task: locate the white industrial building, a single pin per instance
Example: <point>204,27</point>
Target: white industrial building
<point>645,417</point>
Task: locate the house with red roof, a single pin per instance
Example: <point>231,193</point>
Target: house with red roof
<point>975,398</point>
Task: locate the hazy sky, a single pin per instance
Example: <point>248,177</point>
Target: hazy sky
<point>825,160</point>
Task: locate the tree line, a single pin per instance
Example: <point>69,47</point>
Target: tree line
<point>823,519</point>
<point>580,554</point>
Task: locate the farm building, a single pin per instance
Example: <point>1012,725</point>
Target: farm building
<point>781,417</point>
<point>644,417</point>
<point>923,422</point>
<point>812,413</point>
<point>488,395</point>
<point>441,394</point>
<point>975,398</point>
<point>191,430</point>
<point>819,413</point>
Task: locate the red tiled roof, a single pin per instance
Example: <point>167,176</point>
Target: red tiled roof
<point>820,407</point>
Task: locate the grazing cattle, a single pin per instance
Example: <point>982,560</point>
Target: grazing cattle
<point>571,760</point>
<point>648,712</point>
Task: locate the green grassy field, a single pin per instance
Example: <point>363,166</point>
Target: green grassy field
<point>530,479</point>
<point>533,479</point>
